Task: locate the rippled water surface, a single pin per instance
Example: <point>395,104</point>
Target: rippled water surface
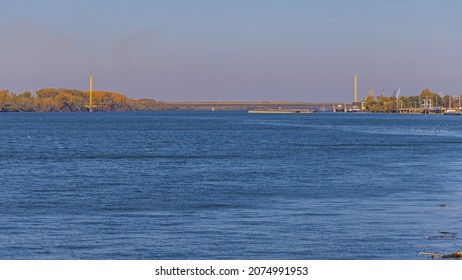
<point>229,185</point>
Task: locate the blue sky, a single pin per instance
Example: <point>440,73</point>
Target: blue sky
<point>235,50</point>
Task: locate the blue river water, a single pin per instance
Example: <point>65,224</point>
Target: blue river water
<point>229,185</point>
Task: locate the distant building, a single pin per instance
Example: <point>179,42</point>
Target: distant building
<point>360,105</point>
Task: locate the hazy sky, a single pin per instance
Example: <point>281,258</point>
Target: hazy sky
<point>236,50</point>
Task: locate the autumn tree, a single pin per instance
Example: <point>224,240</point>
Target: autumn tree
<point>71,100</point>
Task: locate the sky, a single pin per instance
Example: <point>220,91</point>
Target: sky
<point>232,50</point>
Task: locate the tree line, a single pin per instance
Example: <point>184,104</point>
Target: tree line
<point>71,100</point>
<point>387,104</point>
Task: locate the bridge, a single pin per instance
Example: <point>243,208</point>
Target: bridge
<point>252,105</point>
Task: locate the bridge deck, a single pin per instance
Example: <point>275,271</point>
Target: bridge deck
<point>251,105</point>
